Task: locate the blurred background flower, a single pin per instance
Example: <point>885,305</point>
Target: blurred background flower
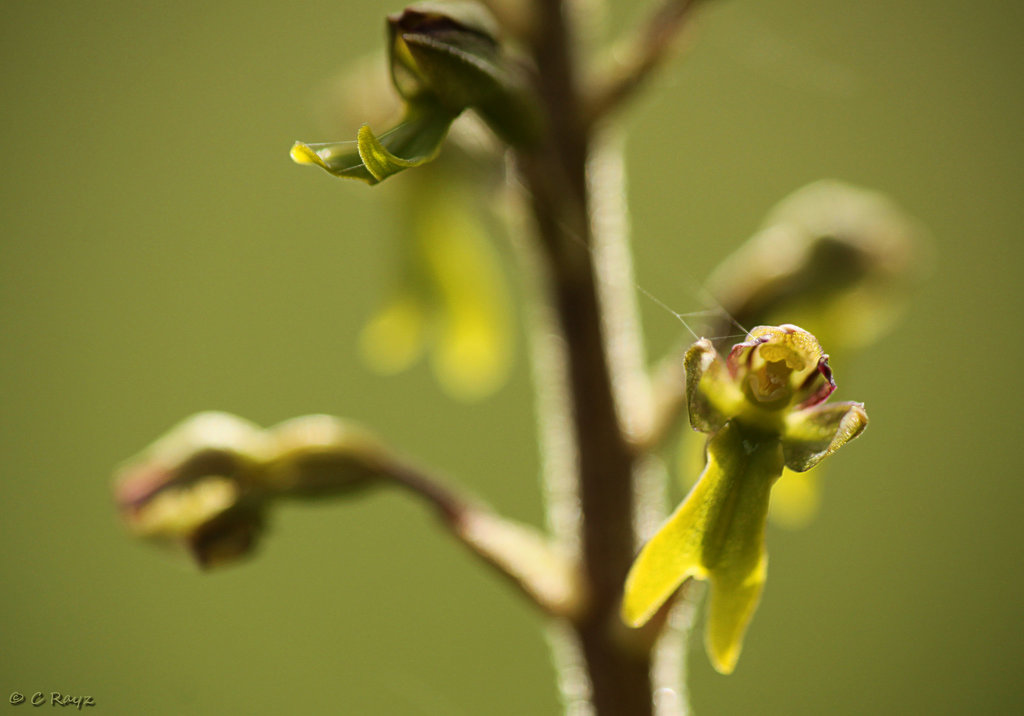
<point>449,295</point>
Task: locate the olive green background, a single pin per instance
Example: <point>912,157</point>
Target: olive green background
<point>160,255</point>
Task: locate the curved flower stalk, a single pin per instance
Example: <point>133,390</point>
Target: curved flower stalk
<point>765,409</point>
<point>207,485</point>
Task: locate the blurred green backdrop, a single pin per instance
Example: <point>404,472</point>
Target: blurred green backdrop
<point>161,255</point>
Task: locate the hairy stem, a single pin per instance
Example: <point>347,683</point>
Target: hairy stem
<point>618,662</point>
<point>644,51</point>
<point>518,552</point>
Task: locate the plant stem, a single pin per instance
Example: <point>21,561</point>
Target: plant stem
<point>555,174</point>
<point>645,50</point>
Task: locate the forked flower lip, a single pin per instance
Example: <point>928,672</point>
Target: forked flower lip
<point>764,407</point>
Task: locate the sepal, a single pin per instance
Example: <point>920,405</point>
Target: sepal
<point>412,143</point>
<point>815,433</point>
<point>782,366</point>
<point>711,394</point>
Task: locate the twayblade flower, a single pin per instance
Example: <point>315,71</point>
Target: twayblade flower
<point>840,261</point>
<point>765,409</point>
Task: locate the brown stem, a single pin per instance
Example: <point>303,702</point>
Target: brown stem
<point>518,552</point>
<point>555,176</point>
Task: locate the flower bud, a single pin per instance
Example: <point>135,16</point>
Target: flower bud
<point>197,487</point>
<point>206,485</point>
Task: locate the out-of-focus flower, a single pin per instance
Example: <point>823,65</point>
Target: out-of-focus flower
<point>764,408</point>
<point>206,485</point>
<point>836,259</point>
<point>452,300</point>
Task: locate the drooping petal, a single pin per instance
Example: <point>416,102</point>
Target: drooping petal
<point>735,594</point>
<point>796,496</point>
<point>815,433</point>
<point>474,331</point>
<point>717,533</point>
<point>671,556</point>
<point>734,545</point>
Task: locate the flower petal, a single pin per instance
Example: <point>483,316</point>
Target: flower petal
<point>671,556</point>
<point>815,433</point>
<point>734,546</point>
<point>473,347</point>
<point>735,595</point>
<point>395,336</point>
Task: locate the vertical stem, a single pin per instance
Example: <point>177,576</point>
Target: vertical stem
<point>555,174</point>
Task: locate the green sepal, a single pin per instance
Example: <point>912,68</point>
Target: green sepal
<point>711,394</point>
<point>412,143</point>
<point>813,434</point>
<point>717,534</point>
<point>450,53</point>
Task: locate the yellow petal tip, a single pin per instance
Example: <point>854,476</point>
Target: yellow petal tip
<point>303,154</point>
<point>725,664</point>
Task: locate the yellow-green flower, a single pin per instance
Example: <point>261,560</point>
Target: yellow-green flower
<point>839,260</point>
<point>765,409</point>
<point>453,300</point>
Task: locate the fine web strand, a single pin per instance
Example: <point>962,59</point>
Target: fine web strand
<point>695,288</point>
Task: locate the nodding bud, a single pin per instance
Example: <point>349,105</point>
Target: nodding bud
<point>451,54</point>
<point>319,455</point>
<point>196,487</point>
<point>206,485</point>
